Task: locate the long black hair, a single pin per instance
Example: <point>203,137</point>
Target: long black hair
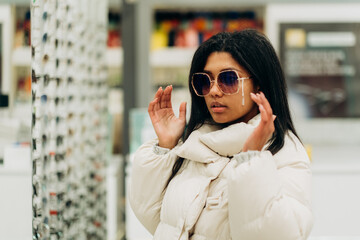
<point>254,52</point>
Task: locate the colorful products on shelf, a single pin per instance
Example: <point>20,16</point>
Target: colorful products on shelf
<point>175,29</point>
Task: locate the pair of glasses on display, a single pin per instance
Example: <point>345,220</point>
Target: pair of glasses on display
<point>227,81</point>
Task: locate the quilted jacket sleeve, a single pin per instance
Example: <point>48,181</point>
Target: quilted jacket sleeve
<point>269,196</point>
<point>149,175</point>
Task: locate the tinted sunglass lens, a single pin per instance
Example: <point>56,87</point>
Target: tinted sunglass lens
<point>201,84</point>
<point>228,81</point>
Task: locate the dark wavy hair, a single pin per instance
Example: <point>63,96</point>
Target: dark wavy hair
<point>254,52</point>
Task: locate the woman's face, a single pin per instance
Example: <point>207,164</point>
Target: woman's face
<point>228,108</point>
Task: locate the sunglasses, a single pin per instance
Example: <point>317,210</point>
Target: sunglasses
<point>227,81</point>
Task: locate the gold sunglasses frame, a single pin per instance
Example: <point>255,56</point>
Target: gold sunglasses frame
<point>212,81</point>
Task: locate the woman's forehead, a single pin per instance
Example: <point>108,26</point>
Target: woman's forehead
<point>220,61</point>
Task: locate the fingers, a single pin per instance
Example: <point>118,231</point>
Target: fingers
<point>264,106</point>
<point>182,111</point>
<point>151,108</point>
<point>264,114</point>
<point>266,103</point>
<point>166,98</point>
<point>255,98</point>
<point>162,99</point>
<point>158,95</point>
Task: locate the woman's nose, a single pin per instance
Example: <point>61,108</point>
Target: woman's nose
<point>215,89</point>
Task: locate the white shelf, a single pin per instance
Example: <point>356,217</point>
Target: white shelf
<point>114,57</point>
<point>21,56</point>
<point>172,57</point>
<point>166,57</point>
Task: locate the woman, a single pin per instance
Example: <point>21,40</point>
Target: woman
<point>239,171</point>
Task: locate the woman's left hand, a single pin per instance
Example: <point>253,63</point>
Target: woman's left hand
<point>263,132</point>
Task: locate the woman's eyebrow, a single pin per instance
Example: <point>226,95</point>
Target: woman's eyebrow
<point>206,71</point>
<point>236,69</point>
<point>225,69</point>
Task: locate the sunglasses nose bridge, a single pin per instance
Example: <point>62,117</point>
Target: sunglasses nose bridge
<point>217,90</point>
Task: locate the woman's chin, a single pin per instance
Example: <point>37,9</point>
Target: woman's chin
<point>220,120</point>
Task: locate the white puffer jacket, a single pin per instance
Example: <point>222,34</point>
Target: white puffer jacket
<point>219,194</point>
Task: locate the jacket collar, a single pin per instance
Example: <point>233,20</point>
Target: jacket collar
<point>209,143</point>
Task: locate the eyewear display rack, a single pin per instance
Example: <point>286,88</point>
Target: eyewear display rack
<point>69,118</point>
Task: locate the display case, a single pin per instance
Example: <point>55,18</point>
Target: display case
<point>319,51</point>
<point>6,21</point>
<point>21,57</point>
<point>69,137</point>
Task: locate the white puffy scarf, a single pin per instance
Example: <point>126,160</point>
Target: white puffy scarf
<point>209,143</point>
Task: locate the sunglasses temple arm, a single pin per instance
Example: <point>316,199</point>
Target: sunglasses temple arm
<point>242,92</point>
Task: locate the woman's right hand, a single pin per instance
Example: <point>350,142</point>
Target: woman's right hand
<point>167,126</point>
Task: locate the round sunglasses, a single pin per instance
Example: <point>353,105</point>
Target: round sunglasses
<point>227,81</point>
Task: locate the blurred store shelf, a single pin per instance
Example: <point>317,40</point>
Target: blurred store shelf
<point>165,57</point>
<point>21,57</point>
<point>15,184</point>
<point>112,3</point>
<point>172,57</point>
<point>114,57</point>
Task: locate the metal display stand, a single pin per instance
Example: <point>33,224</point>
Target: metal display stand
<point>69,119</point>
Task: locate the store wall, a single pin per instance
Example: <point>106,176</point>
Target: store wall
<point>329,125</point>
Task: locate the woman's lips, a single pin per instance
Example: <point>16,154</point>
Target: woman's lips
<point>217,107</point>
